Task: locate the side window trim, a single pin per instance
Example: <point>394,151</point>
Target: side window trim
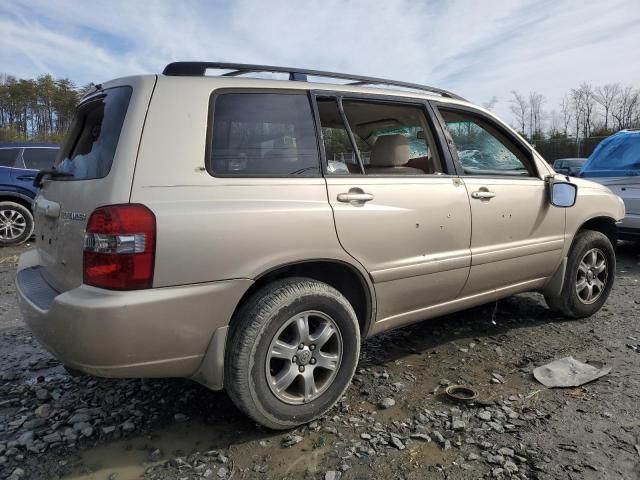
<point>210,128</point>
<point>531,164</point>
<point>431,116</point>
<point>352,139</point>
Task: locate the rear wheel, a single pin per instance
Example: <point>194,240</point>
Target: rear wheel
<point>16,224</point>
<point>292,351</point>
<point>590,273</point>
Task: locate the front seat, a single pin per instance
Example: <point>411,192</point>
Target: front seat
<point>390,155</point>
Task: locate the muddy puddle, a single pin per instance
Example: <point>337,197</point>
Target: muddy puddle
<point>128,458</point>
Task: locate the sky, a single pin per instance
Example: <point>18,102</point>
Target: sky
<point>478,49</point>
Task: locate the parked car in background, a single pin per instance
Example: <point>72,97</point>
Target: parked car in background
<point>19,163</point>
<point>193,228</point>
<point>616,163</point>
<point>569,166</point>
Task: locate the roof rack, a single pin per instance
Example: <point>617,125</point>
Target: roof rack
<point>196,69</point>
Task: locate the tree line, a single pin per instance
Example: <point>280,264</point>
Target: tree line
<point>39,109</point>
<point>585,111</point>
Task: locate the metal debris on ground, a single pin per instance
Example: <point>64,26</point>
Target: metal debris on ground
<point>461,393</point>
<point>568,372</point>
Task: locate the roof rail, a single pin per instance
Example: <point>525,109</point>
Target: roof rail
<point>196,69</point>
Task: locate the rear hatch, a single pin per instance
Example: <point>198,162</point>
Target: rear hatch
<point>99,153</point>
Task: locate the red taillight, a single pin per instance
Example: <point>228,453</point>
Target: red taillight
<point>120,247</point>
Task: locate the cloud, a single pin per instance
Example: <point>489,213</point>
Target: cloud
<point>478,49</point>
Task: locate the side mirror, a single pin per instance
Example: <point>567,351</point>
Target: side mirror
<point>562,193</point>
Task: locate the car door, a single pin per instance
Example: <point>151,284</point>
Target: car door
<point>398,210</point>
<point>518,236</point>
<point>32,159</point>
<point>8,159</point>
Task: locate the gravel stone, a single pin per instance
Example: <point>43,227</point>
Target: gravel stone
<point>458,425</point>
<point>43,411</point>
<point>510,467</point>
<point>485,415</point>
<point>387,402</point>
<point>396,442</point>
<point>506,451</point>
<point>291,440</point>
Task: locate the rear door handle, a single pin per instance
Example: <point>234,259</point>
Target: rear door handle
<point>26,177</point>
<point>355,196</point>
<point>483,194</point>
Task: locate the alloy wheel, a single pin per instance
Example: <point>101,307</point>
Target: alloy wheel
<point>592,275</point>
<point>304,357</point>
<point>12,224</point>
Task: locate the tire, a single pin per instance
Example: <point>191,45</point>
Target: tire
<point>573,303</point>
<point>276,312</point>
<point>16,224</point>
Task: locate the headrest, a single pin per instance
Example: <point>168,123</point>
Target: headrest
<point>390,151</point>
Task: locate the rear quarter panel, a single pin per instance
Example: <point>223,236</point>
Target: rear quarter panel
<point>212,228</point>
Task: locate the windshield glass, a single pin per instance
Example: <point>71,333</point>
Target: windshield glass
<point>616,156</point>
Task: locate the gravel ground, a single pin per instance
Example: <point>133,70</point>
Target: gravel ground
<point>394,421</point>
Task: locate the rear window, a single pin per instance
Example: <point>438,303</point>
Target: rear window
<point>263,134</point>
<point>91,144</point>
<point>39,158</point>
<point>8,157</point>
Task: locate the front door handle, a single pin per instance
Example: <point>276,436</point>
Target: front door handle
<point>483,194</point>
<point>355,196</point>
<point>26,177</point>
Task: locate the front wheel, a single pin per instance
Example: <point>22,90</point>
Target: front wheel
<point>591,268</point>
<point>292,351</point>
<point>16,224</point>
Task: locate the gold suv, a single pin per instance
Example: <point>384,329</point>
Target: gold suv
<point>250,233</point>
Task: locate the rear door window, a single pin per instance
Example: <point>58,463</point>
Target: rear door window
<point>263,134</point>
<point>8,156</point>
<point>39,158</point>
<point>91,144</point>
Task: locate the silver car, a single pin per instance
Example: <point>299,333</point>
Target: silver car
<point>616,164</point>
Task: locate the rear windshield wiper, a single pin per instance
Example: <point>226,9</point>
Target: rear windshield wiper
<point>53,173</point>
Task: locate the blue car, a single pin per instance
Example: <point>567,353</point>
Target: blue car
<point>19,164</point>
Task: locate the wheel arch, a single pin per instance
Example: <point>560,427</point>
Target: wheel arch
<point>349,280</point>
<point>17,198</point>
<point>603,224</point>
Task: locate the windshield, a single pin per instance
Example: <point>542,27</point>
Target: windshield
<point>616,156</point>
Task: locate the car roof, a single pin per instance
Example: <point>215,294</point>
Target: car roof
<point>28,145</point>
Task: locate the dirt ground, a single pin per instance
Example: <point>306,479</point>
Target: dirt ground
<point>394,421</point>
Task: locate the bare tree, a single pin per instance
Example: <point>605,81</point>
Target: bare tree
<point>606,96</point>
<point>626,107</point>
<point>491,103</point>
<point>565,110</point>
<point>535,113</point>
<point>520,108</point>
<point>588,98</point>
<point>577,103</point>
<point>555,122</point>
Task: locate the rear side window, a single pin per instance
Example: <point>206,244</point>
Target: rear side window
<point>39,158</point>
<point>91,144</point>
<point>263,134</point>
<point>8,157</point>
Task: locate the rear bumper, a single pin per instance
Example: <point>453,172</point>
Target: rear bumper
<point>160,332</point>
<point>629,227</point>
